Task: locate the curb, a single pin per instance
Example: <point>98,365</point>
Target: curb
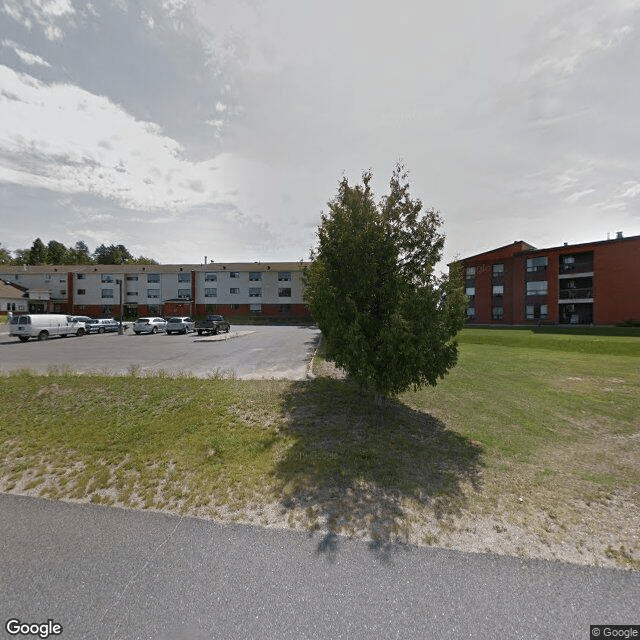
<point>224,337</point>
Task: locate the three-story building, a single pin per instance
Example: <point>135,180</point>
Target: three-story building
<point>590,283</point>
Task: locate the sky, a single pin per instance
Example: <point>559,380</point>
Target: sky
<point>219,129</point>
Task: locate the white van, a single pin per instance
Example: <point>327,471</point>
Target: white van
<point>44,325</point>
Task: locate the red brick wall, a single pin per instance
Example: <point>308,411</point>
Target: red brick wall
<point>269,310</point>
<point>616,282</point>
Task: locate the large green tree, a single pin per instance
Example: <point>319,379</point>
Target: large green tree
<point>80,254</point>
<point>387,318</point>
<point>57,253</point>
<point>5,256</point>
<point>38,252</point>
<point>112,254</point>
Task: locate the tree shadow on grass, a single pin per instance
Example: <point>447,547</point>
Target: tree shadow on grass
<point>356,466</point>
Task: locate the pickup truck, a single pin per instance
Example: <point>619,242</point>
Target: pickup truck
<point>212,326</point>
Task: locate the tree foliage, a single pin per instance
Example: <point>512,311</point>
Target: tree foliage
<point>38,252</point>
<point>387,318</point>
<point>112,254</point>
<point>55,252</point>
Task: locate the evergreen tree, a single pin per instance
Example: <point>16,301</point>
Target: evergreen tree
<point>38,252</point>
<point>80,254</point>
<point>57,253</point>
<point>387,319</point>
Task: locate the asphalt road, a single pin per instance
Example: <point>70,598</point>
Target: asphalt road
<point>106,573</point>
<point>247,352</point>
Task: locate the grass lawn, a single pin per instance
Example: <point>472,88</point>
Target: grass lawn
<point>530,446</point>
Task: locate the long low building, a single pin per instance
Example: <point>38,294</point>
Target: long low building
<point>591,283</point>
<point>234,289</point>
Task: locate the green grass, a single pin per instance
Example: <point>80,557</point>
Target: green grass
<point>534,429</point>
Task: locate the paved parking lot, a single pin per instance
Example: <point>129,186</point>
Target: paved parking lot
<point>248,352</point>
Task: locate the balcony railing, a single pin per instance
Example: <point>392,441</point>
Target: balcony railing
<point>581,266</point>
<point>575,294</point>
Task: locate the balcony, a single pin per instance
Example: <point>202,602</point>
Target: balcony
<point>584,266</point>
<point>576,294</point>
<point>576,263</point>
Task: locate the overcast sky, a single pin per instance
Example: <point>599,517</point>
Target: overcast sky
<point>221,128</point>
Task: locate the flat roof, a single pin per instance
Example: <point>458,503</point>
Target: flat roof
<point>153,268</point>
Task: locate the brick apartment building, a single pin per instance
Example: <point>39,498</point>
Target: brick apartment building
<point>592,283</point>
<point>234,289</point>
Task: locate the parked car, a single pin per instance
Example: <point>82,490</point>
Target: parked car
<point>212,325</point>
<point>149,325</point>
<point>180,324</point>
<point>82,319</point>
<point>101,325</point>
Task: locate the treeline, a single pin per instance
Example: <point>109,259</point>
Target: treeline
<point>55,252</point>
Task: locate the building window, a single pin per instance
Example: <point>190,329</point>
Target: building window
<point>471,312</point>
<point>47,276</point>
<point>470,272</point>
<point>537,311</point>
<point>107,293</point>
<point>81,292</point>
<point>154,309</point>
<point>470,291</point>
<point>285,308</point>
<point>255,309</point>
<point>284,292</point>
<point>211,293</point>
<point>234,274</point>
<point>184,277</point>
<point>255,276</point>
<point>537,288</point>
<point>284,276</point>
<point>497,313</point>
<point>235,306</point>
<point>497,268</point>
<point>107,310</point>
<point>153,293</point>
<point>82,276</point>
<point>132,278</point>
<point>498,290</point>
<point>106,277</point>
<point>63,292</point>
<point>184,294</point>
<point>234,290</point>
<point>132,293</point>
<point>255,292</point>
<point>537,264</point>
<point>209,276</point>
<point>153,277</point>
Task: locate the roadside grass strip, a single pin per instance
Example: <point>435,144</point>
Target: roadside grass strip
<point>522,449</point>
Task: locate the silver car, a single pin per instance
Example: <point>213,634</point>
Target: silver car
<point>149,325</point>
<point>180,324</point>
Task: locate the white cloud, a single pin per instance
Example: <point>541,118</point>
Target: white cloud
<point>46,13</point>
<point>575,29</point>
<point>632,190</point>
<point>574,197</point>
<point>25,56</point>
<point>66,139</point>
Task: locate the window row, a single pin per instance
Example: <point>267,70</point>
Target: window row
<point>532,312</point>
<point>496,290</point>
<point>536,288</point>
<point>470,272</point>
<point>185,294</point>
<point>209,276</point>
